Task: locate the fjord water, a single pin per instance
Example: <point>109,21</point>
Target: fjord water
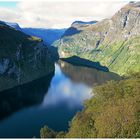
<point>52,100</point>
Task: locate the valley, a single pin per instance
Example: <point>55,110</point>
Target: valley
<point>52,100</point>
<point>81,81</point>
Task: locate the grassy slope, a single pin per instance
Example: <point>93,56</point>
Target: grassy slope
<point>121,57</point>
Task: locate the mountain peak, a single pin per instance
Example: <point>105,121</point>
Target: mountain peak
<point>2,23</point>
<point>82,23</point>
<point>13,25</point>
<point>134,4</point>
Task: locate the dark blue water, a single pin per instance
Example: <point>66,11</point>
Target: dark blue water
<point>52,100</point>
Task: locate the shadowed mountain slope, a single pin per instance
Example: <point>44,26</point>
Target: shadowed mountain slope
<point>23,58</point>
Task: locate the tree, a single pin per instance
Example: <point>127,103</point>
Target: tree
<point>46,132</point>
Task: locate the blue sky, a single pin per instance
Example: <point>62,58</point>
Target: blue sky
<point>8,4</point>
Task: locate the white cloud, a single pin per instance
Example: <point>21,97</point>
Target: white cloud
<point>59,13</point>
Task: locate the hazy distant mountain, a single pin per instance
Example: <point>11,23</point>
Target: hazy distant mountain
<point>83,23</point>
<point>48,35</point>
<point>11,24</point>
<point>2,23</point>
<point>14,25</point>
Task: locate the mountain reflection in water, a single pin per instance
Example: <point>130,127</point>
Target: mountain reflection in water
<point>64,90</point>
<point>52,100</point>
<point>23,96</point>
<point>86,75</point>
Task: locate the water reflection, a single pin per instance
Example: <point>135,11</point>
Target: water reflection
<point>64,90</point>
<point>88,76</point>
<point>52,101</point>
<point>23,96</point>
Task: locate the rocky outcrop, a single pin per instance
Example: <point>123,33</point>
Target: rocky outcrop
<point>22,58</point>
<point>112,42</point>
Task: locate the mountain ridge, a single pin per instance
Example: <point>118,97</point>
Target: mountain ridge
<point>23,58</point>
<point>113,42</point>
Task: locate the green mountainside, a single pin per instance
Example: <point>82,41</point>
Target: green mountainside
<point>115,42</point>
<point>23,58</point>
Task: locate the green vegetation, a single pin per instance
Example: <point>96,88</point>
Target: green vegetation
<point>112,112</point>
<point>23,58</point>
<point>114,42</point>
<point>46,132</point>
<point>120,57</point>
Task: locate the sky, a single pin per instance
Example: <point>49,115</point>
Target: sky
<point>57,13</point>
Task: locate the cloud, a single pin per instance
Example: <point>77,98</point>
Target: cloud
<point>59,13</point>
<point>8,14</point>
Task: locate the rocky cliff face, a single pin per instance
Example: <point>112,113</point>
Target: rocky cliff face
<point>114,42</point>
<point>22,58</point>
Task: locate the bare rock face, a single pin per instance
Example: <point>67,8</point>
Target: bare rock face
<point>126,22</point>
<point>112,42</point>
<point>22,58</point>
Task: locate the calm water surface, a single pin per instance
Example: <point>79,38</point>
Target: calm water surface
<point>51,100</point>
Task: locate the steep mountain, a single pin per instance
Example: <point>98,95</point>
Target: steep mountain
<point>23,58</point>
<point>2,23</point>
<point>76,27</point>
<point>48,35</point>
<point>14,25</point>
<point>114,42</point>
